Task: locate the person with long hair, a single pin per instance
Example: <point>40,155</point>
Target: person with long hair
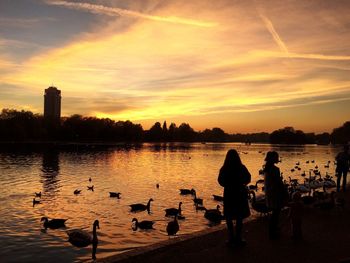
<point>234,177</point>
<point>274,192</point>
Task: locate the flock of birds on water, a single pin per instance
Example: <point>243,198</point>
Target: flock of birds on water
<point>309,188</point>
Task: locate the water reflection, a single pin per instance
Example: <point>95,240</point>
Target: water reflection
<point>50,171</point>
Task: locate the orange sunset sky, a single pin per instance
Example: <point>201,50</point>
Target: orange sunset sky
<point>244,66</point>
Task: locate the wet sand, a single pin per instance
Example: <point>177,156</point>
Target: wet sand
<point>326,239</point>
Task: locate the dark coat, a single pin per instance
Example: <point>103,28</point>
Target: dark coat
<point>235,192</point>
<point>274,188</point>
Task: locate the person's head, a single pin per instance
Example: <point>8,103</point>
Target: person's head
<point>232,159</point>
<point>271,157</point>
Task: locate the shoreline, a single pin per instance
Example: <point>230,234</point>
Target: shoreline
<point>326,239</point>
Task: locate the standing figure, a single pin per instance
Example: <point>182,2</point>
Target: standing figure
<point>234,177</point>
<point>295,215</point>
<point>274,192</point>
<point>343,159</point>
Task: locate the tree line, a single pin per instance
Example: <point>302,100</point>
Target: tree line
<point>26,126</point>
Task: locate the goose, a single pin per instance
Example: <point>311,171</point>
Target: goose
<point>200,208</point>
<point>259,206</point>
<point>308,199</point>
<point>173,227</point>
<point>114,194</point>
<point>198,201</point>
<point>82,238</point>
<point>255,187</point>
<point>141,207</point>
<point>36,202</point>
<point>53,223</point>
<point>329,183</point>
<point>76,191</point>
<point>213,215</point>
<point>38,194</point>
<point>218,198</point>
<point>173,211</point>
<point>91,188</point>
<point>187,191</point>
<point>145,224</point>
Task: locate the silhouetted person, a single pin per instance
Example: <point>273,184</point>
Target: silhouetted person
<point>295,215</point>
<point>343,159</point>
<point>234,177</point>
<point>274,192</point>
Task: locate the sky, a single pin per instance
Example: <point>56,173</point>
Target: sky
<point>243,66</point>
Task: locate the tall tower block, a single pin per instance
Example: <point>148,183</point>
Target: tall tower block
<point>52,103</point>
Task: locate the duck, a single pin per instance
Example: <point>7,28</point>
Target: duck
<point>53,223</point>
<point>82,238</point>
<point>187,191</point>
<point>141,207</point>
<point>36,202</point>
<point>38,194</point>
<point>218,198</point>
<point>173,227</point>
<point>259,206</point>
<point>114,194</point>
<point>198,201</point>
<point>213,215</point>
<point>145,224</point>
<point>91,188</point>
<point>173,211</point>
<point>200,207</point>
<point>255,187</point>
<point>76,191</point>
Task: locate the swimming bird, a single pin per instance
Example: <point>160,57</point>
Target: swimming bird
<point>213,215</point>
<point>145,224</point>
<point>218,198</point>
<point>173,211</point>
<point>157,186</point>
<point>255,187</point>
<point>36,202</point>
<point>187,191</point>
<point>82,238</point>
<point>76,191</point>
<point>197,201</point>
<point>141,207</point>
<point>259,206</point>
<point>38,194</point>
<point>90,179</point>
<point>200,207</point>
<point>173,227</point>
<point>91,188</point>
<point>114,194</point>
<point>53,223</point>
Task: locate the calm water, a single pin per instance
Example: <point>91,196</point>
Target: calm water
<point>134,172</point>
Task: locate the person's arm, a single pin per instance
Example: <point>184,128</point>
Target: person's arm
<point>246,176</point>
<point>222,178</point>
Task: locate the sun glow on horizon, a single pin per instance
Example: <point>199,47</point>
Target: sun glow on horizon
<point>185,61</point>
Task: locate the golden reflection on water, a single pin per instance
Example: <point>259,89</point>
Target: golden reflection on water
<point>132,171</point>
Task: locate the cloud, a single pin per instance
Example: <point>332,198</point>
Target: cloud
<point>274,33</point>
<point>113,11</point>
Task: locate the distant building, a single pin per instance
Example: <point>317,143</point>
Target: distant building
<point>52,103</point>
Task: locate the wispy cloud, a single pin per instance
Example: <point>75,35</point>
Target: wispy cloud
<point>274,33</point>
<point>113,11</point>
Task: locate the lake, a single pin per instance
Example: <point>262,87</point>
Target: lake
<point>134,171</point>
